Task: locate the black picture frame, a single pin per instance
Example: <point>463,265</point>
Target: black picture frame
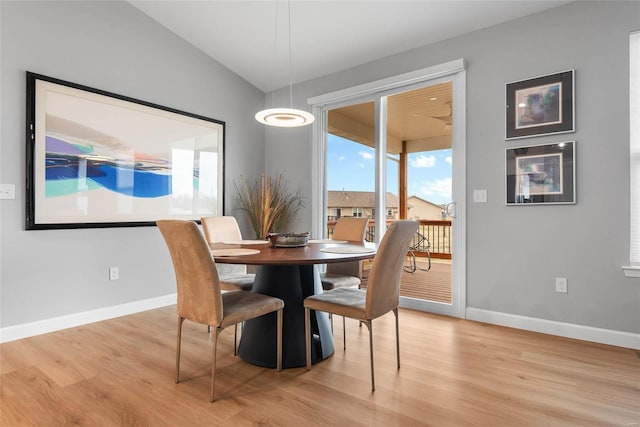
<point>541,174</point>
<point>540,106</point>
<point>97,159</point>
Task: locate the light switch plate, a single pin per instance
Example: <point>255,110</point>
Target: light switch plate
<point>7,191</point>
<point>480,196</point>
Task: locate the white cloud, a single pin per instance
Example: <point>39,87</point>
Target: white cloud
<point>365,155</point>
<point>448,159</point>
<point>423,161</point>
<point>341,158</point>
<point>437,191</point>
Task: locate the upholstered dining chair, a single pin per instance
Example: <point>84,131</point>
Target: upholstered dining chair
<point>233,277</point>
<point>381,295</point>
<point>200,298</point>
<point>343,274</point>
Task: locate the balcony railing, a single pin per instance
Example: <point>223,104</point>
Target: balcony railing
<point>437,232</point>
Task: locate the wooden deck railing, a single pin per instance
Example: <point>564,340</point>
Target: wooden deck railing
<point>437,232</point>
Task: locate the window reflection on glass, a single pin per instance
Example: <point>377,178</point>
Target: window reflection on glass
<point>182,179</point>
<point>208,182</point>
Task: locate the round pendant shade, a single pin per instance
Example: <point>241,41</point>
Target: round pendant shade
<point>284,117</point>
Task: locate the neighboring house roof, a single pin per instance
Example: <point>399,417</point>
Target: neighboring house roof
<point>414,197</point>
<point>357,199</point>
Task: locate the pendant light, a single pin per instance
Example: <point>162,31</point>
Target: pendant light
<point>285,117</point>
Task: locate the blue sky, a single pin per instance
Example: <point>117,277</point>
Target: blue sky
<point>350,166</point>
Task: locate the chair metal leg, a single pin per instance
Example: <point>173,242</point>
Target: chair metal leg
<point>213,362</point>
<point>279,341</point>
<point>395,311</point>
<point>344,334</point>
<point>428,261</point>
<point>411,268</point>
<point>369,325</point>
<point>179,341</point>
<point>373,379</point>
<point>307,336</point>
<point>235,339</point>
<point>359,321</point>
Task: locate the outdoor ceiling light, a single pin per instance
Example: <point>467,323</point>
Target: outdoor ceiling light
<point>285,117</point>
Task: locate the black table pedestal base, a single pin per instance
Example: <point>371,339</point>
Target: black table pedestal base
<point>292,284</point>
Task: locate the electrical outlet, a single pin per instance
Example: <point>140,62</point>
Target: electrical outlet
<point>114,273</point>
<point>7,191</point>
<point>561,285</point>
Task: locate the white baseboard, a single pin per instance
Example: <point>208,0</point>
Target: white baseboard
<point>567,330</point>
<point>12,333</point>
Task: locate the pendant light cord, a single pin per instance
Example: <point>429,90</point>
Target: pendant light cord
<point>290,82</point>
<point>275,57</point>
<point>283,117</point>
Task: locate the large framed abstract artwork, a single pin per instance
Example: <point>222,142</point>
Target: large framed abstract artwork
<point>541,174</point>
<point>540,106</point>
<point>97,159</point>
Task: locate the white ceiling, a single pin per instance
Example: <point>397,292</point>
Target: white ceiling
<point>326,36</point>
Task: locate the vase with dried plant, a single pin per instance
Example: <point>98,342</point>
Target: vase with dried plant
<point>267,203</point>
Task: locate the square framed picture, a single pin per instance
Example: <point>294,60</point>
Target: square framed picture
<point>540,106</point>
<point>541,174</point>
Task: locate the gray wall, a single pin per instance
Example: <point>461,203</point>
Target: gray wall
<point>514,253</point>
<point>114,47</point>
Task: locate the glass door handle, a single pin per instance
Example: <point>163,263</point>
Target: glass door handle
<point>450,209</point>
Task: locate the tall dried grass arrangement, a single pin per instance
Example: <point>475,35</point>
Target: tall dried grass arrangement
<point>268,204</point>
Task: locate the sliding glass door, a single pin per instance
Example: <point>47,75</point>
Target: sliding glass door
<point>390,155</point>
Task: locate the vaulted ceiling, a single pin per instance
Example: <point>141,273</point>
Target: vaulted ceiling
<point>251,37</point>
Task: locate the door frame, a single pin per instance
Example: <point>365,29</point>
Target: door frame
<point>453,71</point>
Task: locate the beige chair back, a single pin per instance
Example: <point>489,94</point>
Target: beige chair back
<point>383,287</point>
<point>199,295</point>
<point>221,229</point>
<point>351,229</point>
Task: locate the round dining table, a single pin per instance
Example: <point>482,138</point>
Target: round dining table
<point>291,274</point>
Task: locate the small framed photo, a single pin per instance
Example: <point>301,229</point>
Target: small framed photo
<point>540,106</point>
<point>541,174</point>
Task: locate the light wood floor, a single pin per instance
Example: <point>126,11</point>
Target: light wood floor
<point>454,373</point>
